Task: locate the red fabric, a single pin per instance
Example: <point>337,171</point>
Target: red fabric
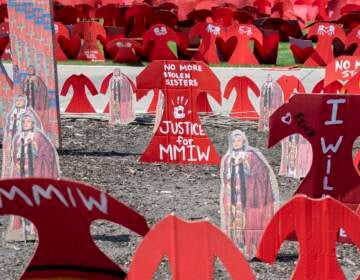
<point>124,50</point>
<point>333,88</point>
<point>139,16</point>
<point>191,248</point>
<point>105,85</point>
<point>202,103</point>
<point>166,17</point>
<point>316,224</point>
<point>326,33</point>
<point>242,54</point>
<point>222,15</point>
<point>79,102</point>
<point>267,51</point>
<point>243,107</point>
<point>354,38</point>
<point>110,14</point>
<point>207,50</point>
<point>301,54</point>
<point>60,30</point>
<point>68,15</point>
<point>161,35</point>
<point>71,47</point>
<point>62,212</point>
<point>331,130</point>
<point>89,32</point>
<point>289,84</point>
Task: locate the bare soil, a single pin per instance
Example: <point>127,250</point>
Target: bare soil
<point>108,157</point>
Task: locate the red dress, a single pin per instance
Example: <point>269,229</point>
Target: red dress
<point>79,102</point>
<point>289,84</point>
<point>316,223</point>
<point>243,107</point>
<point>191,249</point>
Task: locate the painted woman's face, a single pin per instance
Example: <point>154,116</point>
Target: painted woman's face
<point>237,142</point>
<point>31,70</point>
<point>27,123</point>
<point>20,103</point>
<point>117,72</point>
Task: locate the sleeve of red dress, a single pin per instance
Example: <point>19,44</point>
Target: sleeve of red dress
<point>105,84</point>
<point>90,86</point>
<point>279,228</point>
<point>301,87</point>
<point>232,259</point>
<point>253,87</point>
<point>150,252</point>
<point>66,86</point>
<point>229,87</point>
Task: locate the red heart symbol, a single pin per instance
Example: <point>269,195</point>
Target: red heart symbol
<point>286,118</point>
<point>226,48</point>
<point>301,54</point>
<point>71,47</point>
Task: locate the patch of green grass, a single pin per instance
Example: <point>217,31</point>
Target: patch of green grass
<point>285,57</point>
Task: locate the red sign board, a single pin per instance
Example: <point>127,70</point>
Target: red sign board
<point>180,137</point>
<point>329,124</point>
<point>316,223</point>
<point>62,212</point>
<point>191,248</point>
<point>342,69</point>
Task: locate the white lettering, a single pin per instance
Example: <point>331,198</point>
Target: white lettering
<point>11,195</point>
<point>326,186</point>
<point>71,197</point>
<point>90,202</point>
<point>167,150</point>
<point>177,150</point>
<point>170,67</point>
<point>39,191</point>
<point>203,155</point>
<point>328,165</point>
<point>331,147</point>
<point>335,104</point>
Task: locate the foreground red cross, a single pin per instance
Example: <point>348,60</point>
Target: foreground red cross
<point>62,212</point>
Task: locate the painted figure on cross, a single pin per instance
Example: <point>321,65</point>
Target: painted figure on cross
<point>33,154</point>
<point>12,127</point>
<point>121,99</point>
<point>249,193</point>
<point>271,98</point>
<point>35,91</point>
